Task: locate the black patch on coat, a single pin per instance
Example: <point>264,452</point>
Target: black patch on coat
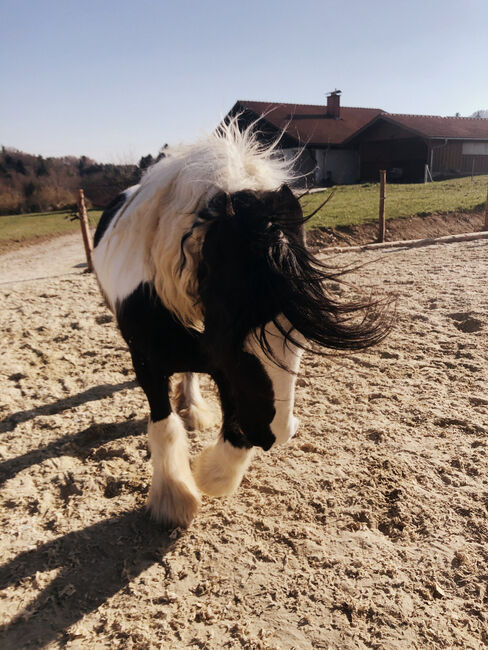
<point>107,216</point>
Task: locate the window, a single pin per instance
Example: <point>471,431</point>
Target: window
<point>475,148</point>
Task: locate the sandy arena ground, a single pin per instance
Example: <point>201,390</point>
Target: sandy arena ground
<point>369,530</point>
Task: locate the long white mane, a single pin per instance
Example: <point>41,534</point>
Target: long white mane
<point>229,160</point>
<point>149,229</point>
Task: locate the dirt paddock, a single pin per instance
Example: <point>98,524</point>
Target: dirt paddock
<point>369,530</point>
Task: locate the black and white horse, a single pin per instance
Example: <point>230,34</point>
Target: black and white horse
<point>205,267</point>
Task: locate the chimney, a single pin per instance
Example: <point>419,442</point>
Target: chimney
<point>334,104</point>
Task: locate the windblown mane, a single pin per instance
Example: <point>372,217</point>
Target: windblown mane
<point>179,186</point>
<point>256,269</point>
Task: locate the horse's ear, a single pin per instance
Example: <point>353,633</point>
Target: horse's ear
<point>286,194</point>
<point>221,205</point>
<point>286,204</point>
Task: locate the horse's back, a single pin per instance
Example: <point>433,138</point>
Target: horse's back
<point>110,212</point>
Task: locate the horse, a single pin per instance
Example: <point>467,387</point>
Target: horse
<point>205,267</point>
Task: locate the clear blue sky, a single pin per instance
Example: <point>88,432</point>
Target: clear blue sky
<point>115,79</point>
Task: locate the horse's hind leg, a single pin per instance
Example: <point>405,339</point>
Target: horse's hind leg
<point>174,497</point>
<point>220,467</point>
<point>192,407</point>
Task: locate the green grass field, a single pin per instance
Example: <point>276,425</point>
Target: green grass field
<point>17,228</point>
<point>351,204</point>
<point>354,204</point>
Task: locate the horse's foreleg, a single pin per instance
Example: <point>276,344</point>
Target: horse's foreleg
<point>220,467</point>
<point>194,410</point>
<point>173,497</point>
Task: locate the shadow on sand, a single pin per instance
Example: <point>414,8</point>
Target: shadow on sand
<point>77,444</point>
<point>90,395</point>
<point>94,564</point>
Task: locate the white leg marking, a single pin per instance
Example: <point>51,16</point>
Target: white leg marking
<point>173,498</point>
<point>284,424</point>
<point>219,469</point>
<point>192,407</point>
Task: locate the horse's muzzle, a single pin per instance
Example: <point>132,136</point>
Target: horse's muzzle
<point>284,434</point>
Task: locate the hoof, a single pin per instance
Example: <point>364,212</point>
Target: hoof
<point>173,504</point>
<point>219,469</point>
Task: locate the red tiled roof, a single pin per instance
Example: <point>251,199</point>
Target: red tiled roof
<point>433,126</point>
<point>309,124</point>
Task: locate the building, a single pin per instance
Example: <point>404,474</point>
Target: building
<point>405,144</point>
<point>341,144</point>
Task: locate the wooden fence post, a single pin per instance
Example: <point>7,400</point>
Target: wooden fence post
<point>381,233</point>
<point>85,230</point>
<point>486,212</point>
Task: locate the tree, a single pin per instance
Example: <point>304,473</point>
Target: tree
<point>162,152</point>
<point>41,169</point>
<point>146,161</point>
<point>483,113</point>
<point>20,167</point>
<point>29,189</point>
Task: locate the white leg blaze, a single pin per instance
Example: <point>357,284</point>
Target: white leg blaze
<point>192,407</point>
<point>284,424</point>
<point>173,498</point>
<point>219,469</point>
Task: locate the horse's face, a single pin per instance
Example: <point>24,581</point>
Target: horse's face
<point>259,391</point>
<point>235,282</point>
<point>282,371</point>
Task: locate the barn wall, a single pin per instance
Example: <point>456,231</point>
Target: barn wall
<point>404,159</point>
<point>449,160</point>
<point>342,164</point>
<point>388,146</point>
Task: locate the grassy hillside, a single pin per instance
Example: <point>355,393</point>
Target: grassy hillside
<point>353,204</point>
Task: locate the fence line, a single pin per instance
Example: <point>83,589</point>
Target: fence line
<point>381,214</point>
<point>409,243</point>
